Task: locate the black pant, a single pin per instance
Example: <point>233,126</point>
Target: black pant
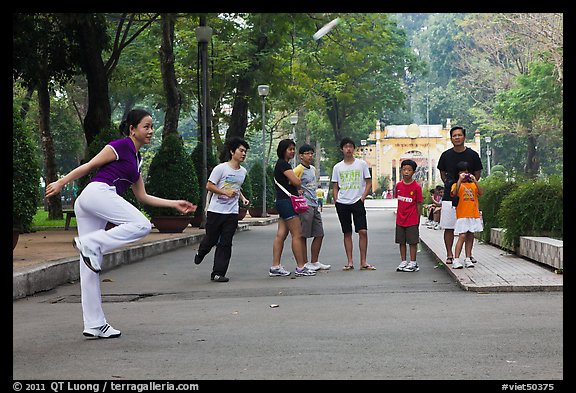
<point>220,229</point>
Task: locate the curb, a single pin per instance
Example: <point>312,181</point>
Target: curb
<point>51,274</point>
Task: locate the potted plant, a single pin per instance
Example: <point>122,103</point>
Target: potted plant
<point>171,175</point>
<point>197,160</point>
<point>25,178</point>
<point>255,174</point>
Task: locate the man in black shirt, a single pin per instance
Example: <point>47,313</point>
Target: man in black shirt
<point>447,167</point>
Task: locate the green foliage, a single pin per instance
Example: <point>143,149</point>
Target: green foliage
<point>197,160</point>
<point>255,174</point>
<point>495,188</point>
<point>171,176</point>
<point>25,175</point>
<point>533,208</point>
<point>247,190</point>
<point>270,187</point>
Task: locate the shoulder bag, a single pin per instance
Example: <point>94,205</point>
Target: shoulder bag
<point>298,202</point>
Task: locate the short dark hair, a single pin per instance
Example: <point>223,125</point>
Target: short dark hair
<point>304,148</point>
<point>346,140</point>
<point>235,142</point>
<point>410,162</point>
<point>283,145</point>
<point>458,128</point>
<point>230,145</point>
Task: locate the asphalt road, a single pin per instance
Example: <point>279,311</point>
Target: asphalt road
<point>178,325</point>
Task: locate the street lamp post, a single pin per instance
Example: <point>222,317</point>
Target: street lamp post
<point>294,121</point>
<point>203,35</point>
<point>488,151</point>
<point>263,91</point>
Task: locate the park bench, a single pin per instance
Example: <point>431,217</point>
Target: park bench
<point>69,214</point>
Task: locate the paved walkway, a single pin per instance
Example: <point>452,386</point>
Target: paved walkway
<point>496,270</point>
<point>46,259</point>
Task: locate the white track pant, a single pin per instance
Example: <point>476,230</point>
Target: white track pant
<point>95,206</point>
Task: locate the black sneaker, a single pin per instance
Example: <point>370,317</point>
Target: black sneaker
<point>219,278</point>
<point>197,259</point>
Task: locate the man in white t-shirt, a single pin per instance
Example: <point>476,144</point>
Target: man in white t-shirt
<point>225,183</point>
<point>350,188</point>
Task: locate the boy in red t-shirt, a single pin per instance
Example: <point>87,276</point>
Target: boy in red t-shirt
<point>409,194</point>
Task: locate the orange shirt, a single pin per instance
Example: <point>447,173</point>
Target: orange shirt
<point>468,204</point>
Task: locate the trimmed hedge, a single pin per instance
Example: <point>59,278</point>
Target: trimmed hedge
<point>533,208</point>
<point>25,175</point>
<point>171,176</point>
<point>526,207</point>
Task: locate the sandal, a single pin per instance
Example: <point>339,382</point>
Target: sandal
<point>368,267</point>
<point>348,267</point>
<point>449,260</point>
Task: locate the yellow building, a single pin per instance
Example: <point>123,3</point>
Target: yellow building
<point>384,150</point>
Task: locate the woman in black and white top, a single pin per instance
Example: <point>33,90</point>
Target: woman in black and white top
<point>289,220</point>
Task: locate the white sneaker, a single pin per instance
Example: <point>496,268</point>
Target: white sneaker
<point>104,331</point>
<point>401,267</point>
<point>90,258</point>
<point>311,266</point>
<point>278,271</point>
<point>468,262</point>
<point>411,267</point>
<point>317,266</point>
<point>457,264</point>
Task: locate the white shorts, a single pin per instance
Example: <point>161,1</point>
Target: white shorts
<point>447,215</point>
<point>468,225</point>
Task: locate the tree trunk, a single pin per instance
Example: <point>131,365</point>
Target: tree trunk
<point>173,97</point>
<point>98,115</point>
<point>51,173</point>
<point>334,115</point>
<point>532,159</point>
<point>239,117</point>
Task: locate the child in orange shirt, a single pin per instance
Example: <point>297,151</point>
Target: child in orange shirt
<point>468,218</point>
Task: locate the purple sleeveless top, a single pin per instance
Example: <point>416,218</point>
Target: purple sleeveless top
<point>125,170</point>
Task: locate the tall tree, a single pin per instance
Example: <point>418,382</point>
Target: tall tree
<point>42,57</point>
<point>90,31</point>
<point>171,90</point>
<point>533,108</point>
<point>358,69</point>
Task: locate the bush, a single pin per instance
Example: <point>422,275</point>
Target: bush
<point>25,175</point>
<point>255,174</point>
<point>247,191</point>
<point>171,176</point>
<point>533,208</point>
<point>198,162</point>
<point>495,188</point>
<point>270,187</point>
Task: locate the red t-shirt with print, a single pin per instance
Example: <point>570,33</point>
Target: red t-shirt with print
<point>409,195</point>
